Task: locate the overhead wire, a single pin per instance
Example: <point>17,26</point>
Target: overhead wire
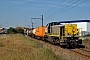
<point>56,7</point>
<point>64,8</point>
<point>73,6</point>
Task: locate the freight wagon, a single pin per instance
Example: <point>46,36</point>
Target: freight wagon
<point>39,32</point>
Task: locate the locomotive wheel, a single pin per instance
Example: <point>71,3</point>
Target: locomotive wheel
<point>42,39</point>
<point>53,41</point>
<point>46,40</point>
<point>67,45</point>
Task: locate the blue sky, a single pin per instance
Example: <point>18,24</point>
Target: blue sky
<point>20,12</point>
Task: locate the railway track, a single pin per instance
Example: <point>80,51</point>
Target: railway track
<point>83,52</point>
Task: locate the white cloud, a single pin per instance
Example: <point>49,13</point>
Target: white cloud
<point>21,2</point>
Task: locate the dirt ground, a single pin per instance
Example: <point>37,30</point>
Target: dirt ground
<point>86,43</point>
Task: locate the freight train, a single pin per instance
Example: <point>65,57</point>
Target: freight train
<point>67,35</point>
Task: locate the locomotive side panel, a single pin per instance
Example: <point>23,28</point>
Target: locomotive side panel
<point>56,30</point>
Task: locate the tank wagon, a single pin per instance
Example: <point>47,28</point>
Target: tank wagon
<point>67,35</point>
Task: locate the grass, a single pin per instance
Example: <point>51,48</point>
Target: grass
<point>19,47</point>
<point>1,45</point>
<point>86,40</point>
<point>87,35</point>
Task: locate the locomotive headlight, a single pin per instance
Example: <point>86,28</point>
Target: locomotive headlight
<point>69,35</point>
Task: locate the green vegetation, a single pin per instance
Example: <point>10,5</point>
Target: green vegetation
<point>19,47</point>
<point>1,45</point>
<point>14,31</point>
<point>87,35</point>
<point>20,30</point>
<point>11,31</point>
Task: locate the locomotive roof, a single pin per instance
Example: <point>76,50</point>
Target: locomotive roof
<point>57,25</point>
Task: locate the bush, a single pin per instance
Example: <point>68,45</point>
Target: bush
<point>11,31</point>
<point>20,30</point>
<point>14,31</point>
